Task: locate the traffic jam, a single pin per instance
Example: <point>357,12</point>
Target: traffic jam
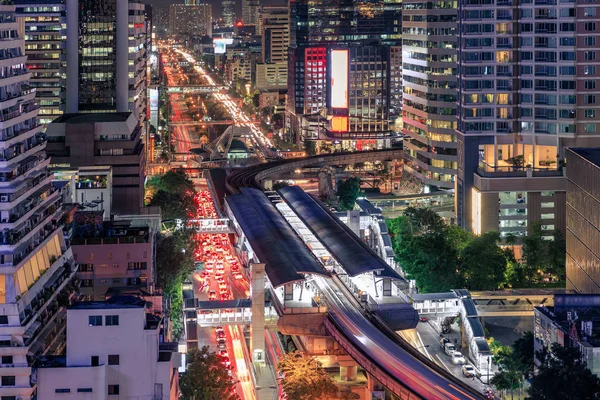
<point>217,274</point>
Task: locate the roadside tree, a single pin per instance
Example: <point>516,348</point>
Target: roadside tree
<point>304,378</point>
<point>206,378</point>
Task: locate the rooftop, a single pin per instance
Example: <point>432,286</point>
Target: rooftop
<point>573,310</point>
<point>115,302</point>
<point>85,118</point>
<point>353,254</point>
<point>592,154</point>
<point>273,240</point>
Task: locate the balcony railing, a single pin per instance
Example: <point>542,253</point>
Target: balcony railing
<point>487,170</point>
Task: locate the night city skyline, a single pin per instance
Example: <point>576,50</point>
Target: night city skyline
<point>299,199</point>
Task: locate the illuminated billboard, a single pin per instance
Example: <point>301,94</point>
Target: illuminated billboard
<point>339,78</point>
<point>339,123</point>
<point>220,45</point>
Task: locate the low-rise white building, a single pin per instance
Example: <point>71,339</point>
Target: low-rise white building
<point>113,351</point>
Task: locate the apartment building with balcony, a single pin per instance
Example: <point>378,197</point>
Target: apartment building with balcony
<point>113,256</point>
<point>89,187</point>
<point>114,350</point>
<point>429,91</point>
<point>527,91</point>
<point>103,140</point>
<point>44,36</point>
<point>35,262</point>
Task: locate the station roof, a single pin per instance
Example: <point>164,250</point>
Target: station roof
<point>368,207</point>
<point>349,250</point>
<point>470,308</point>
<point>273,240</point>
<point>476,326</point>
<point>434,296</point>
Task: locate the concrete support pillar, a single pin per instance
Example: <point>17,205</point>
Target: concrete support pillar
<point>348,368</point>
<point>288,292</point>
<point>387,287</point>
<point>257,328</point>
<point>122,64</point>
<point>354,221</point>
<point>72,82</point>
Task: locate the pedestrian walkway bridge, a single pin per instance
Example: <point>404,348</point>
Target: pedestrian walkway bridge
<point>206,225</point>
<point>194,89</point>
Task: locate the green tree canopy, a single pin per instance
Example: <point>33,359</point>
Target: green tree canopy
<point>427,248</point>
<point>482,262</point>
<point>304,378</point>
<point>174,258</point>
<point>564,376</point>
<point>510,375</point>
<point>348,191</point>
<point>523,350</point>
<point>206,378</point>
<point>542,255</point>
<point>174,193</point>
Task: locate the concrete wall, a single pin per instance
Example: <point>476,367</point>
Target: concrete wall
<point>51,379</point>
<point>110,263</point>
<point>138,368</point>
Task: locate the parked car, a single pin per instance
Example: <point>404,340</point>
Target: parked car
<point>458,358</point>
<point>422,319</point>
<point>468,370</point>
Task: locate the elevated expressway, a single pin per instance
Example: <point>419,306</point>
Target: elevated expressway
<point>288,260</point>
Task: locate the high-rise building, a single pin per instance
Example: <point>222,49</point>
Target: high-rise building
<point>271,72</point>
<point>583,220</point>
<point>429,92</point>
<point>274,30</point>
<point>106,57</point>
<point>250,11</point>
<point>195,20</point>
<point>339,64</point>
<point>524,96</point>
<point>160,17</point>
<point>44,47</point>
<point>228,7</point>
<point>35,259</point>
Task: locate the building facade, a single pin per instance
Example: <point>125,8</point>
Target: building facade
<point>583,220</point>
<point>114,349</point>
<point>228,7</point>
<point>160,19</point>
<point>340,65</point>
<point>106,57</point>
<point>112,257</point>
<point>44,46</point>
<point>193,20</point>
<point>274,31</point>
<point>524,96</point>
<point>36,274</point>
<point>250,12</point>
<point>573,321</point>
<point>429,92</point>
<point>107,140</point>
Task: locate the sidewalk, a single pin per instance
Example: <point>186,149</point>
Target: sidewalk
<point>266,385</point>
